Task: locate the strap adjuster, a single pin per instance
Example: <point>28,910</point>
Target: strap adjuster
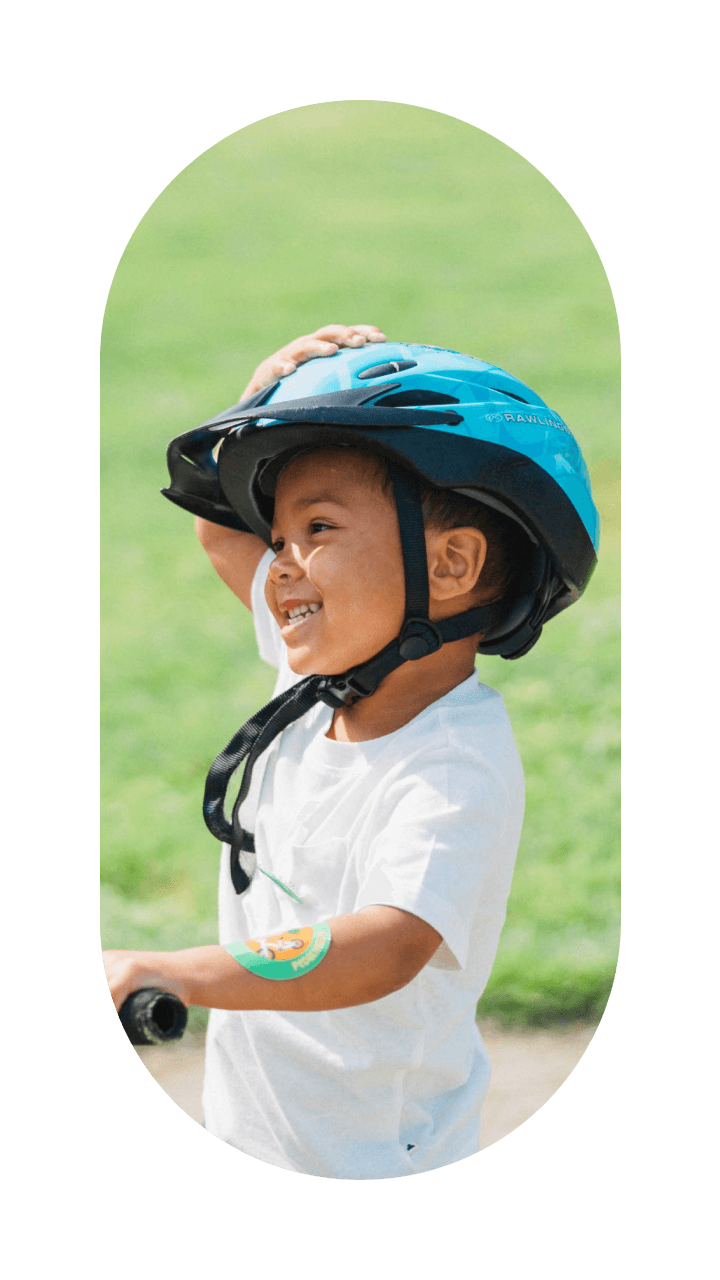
<point>418,638</point>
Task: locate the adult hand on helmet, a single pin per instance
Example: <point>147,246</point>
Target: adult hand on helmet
<point>323,342</point>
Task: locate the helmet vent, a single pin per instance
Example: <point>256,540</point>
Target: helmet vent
<point>511,394</point>
<point>416,398</point>
<point>380,370</point>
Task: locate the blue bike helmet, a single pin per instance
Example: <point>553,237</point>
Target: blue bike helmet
<point>447,419</point>
<point>439,419</point>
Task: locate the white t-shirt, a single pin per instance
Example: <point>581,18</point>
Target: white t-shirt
<point>427,819</point>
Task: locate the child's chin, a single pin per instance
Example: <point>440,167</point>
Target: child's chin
<point>304,664</point>
<point>312,664</point>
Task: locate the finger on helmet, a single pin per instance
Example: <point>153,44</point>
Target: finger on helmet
<point>342,334</point>
<point>267,372</point>
<point>369,331</point>
<point>312,347</point>
<point>331,332</point>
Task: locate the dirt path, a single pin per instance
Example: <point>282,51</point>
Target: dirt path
<point>528,1067</point>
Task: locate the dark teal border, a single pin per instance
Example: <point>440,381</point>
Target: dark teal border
<point>109,103</point>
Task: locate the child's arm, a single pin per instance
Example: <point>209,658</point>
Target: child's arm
<point>374,952</point>
<point>234,555</point>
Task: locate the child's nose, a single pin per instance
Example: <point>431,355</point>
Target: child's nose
<point>285,565</point>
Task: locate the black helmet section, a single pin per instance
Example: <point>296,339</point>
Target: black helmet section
<point>194,483</point>
<point>350,408</point>
<point>529,606</point>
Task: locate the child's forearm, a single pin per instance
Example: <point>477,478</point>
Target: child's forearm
<point>371,954</point>
<point>234,555</point>
<point>209,977</point>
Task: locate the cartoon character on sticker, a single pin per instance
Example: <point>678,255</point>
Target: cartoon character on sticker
<point>277,945</point>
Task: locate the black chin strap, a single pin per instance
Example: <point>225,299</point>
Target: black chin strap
<point>418,638</point>
<point>247,744</point>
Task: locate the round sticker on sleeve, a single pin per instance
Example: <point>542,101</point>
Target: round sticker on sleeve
<point>283,955</point>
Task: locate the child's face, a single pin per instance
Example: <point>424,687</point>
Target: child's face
<point>337,544</point>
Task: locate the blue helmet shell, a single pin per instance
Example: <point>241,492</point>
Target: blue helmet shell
<point>495,406</point>
<point>451,420</point>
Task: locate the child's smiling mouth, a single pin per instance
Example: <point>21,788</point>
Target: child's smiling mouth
<point>297,614</point>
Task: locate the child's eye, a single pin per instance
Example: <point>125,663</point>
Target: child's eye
<point>277,545</point>
<point>317,526</point>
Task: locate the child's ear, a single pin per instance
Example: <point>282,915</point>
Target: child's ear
<point>455,561</point>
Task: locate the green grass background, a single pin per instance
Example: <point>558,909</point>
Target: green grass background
<point>359,212</point>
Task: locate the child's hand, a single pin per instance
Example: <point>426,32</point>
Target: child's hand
<point>128,971</point>
<point>324,342</point>
<point>123,974</point>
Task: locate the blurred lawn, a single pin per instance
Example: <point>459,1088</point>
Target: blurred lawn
<point>353,212</point>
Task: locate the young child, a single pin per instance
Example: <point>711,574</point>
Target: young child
<point>419,505</point>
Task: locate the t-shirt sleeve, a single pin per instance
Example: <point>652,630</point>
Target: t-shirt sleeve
<point>271,646</point>
<point>270,642</point>
<point>440,837</point>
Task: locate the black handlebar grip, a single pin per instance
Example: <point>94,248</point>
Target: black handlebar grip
<point>152,1016</point>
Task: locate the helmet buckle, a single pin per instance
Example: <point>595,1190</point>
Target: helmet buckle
<point>341,691</point>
